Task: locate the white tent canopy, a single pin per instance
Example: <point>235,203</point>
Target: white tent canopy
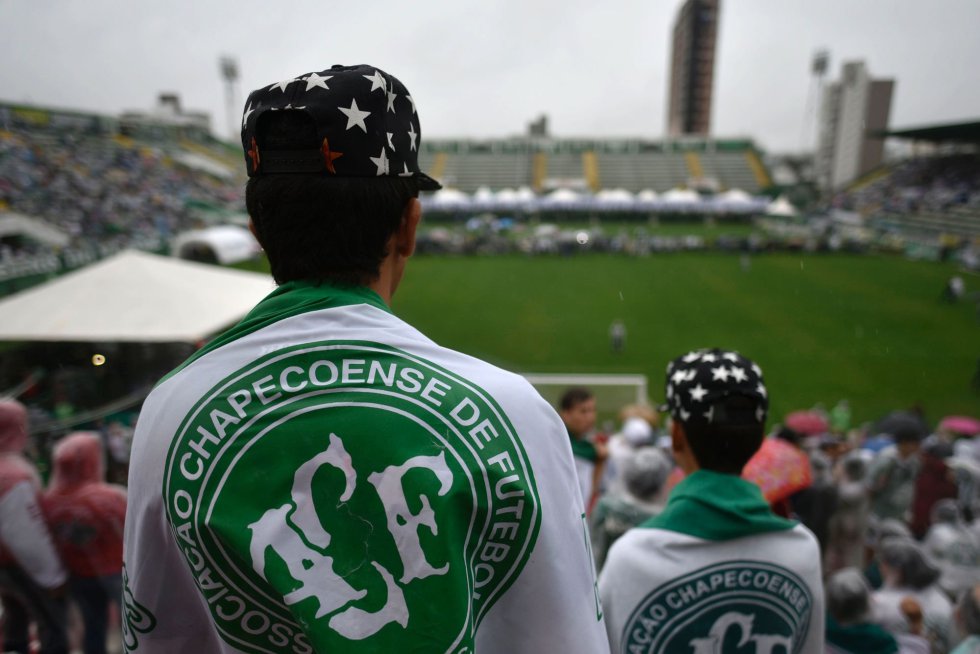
<point>134,297</point>
<point>614,196</point>
<point>781,207</point>
<point>227,244</point>
<point>561,196</point>
<point>736,195</point>
<point>16,224</point>
<point>680,196</point>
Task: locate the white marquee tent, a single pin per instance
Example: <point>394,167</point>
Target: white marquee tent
<point>226,244</point>
<point>133,297</point>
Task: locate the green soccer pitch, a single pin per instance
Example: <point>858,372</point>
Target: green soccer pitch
<point>869,329</point>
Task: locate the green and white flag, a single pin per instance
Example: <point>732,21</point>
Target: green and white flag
<point>715,572</point>
<point>324,478</point>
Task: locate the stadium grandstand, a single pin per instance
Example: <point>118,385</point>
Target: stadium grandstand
<point>76,187</point>
<point>933,196</point>
<point>591,165</point>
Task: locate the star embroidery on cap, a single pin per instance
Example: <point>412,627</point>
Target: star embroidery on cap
<point>377,81</point>
<point>390,144</point>
<point>710,414</point>
<point>391,101</point>
<point>685,415</point>
<point>698,393</point>
<point>738,374</point>
<point>329,156</point>
<point>381,161</point>
<point>721,372</point>
<point>761,389</point>
<point>691,357</point>
<point>248,112</point>
<point>412,135</point>
<point>731,356</point>
<point>760,414</point>
<point>316,80</point>
<point>709,358</point>
<point>355,116</point>
<point>670,391</point>
<point>690,375</point>
<point>409,98</point>
<point>282,85</point>
<point>678,376</point>
<point>757,370</point>
<point>253,154</point>
<point>407,173</point>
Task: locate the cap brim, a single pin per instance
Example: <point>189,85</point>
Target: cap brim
<point>427,183</point>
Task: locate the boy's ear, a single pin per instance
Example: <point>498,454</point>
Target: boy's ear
<point>405,237</point>
<point>681,449</point>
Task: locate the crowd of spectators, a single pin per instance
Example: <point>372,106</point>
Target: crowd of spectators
<point>896,513</point>
<point>927,184</point>
<point>101,192</point>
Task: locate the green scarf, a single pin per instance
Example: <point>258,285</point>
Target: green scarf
<point>716,506</point>
<point>863,638</point>
<point>583,449</point>
<point>290,299</point>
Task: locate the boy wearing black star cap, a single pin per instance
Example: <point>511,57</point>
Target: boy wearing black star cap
<point>716,569</point>
<point>324,478</point>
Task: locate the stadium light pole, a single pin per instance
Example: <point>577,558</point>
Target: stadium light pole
<point>229,71</point>
<point>818,68</point>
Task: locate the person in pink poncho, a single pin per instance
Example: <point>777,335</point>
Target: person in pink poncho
<point>86,517</point>
<point>32,577</point>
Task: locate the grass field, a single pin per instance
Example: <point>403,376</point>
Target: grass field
<point>823,327</point>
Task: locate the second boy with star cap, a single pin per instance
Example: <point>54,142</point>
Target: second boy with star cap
<point>323,477</point>
<point>716,569</point>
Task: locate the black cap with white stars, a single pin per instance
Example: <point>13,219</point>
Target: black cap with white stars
<point>698,382</point>
<point>366,123</point>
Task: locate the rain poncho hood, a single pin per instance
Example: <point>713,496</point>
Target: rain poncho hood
<point>77,462</point>
<point>13,427</point>
<point>14,468</point>
<point>24,537</point>
<point>85,514</point>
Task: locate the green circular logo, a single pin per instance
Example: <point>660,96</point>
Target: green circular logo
<point>735,606</point>
<point>349,497</point>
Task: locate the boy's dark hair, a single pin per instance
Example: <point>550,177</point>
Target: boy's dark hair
<point>319,228</point>
<point>573,397</point>
<point>727,446</point>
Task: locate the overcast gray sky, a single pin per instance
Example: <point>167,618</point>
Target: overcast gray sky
<point>484,69</point>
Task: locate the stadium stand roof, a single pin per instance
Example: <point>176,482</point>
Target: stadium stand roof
<point>958,132</point>
<point>133,297</point>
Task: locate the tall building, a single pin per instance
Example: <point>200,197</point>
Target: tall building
<point>692,68</point>
<point>851,108</point>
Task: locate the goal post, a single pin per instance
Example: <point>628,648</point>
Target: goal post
<point>612,392</point>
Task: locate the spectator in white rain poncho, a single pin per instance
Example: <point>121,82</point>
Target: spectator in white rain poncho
<point>641,498</point>
<point>892,478</point>
<point>849,522</point>
<point>909,574</point>
<point>637,432</point>
<point>954,548</point>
